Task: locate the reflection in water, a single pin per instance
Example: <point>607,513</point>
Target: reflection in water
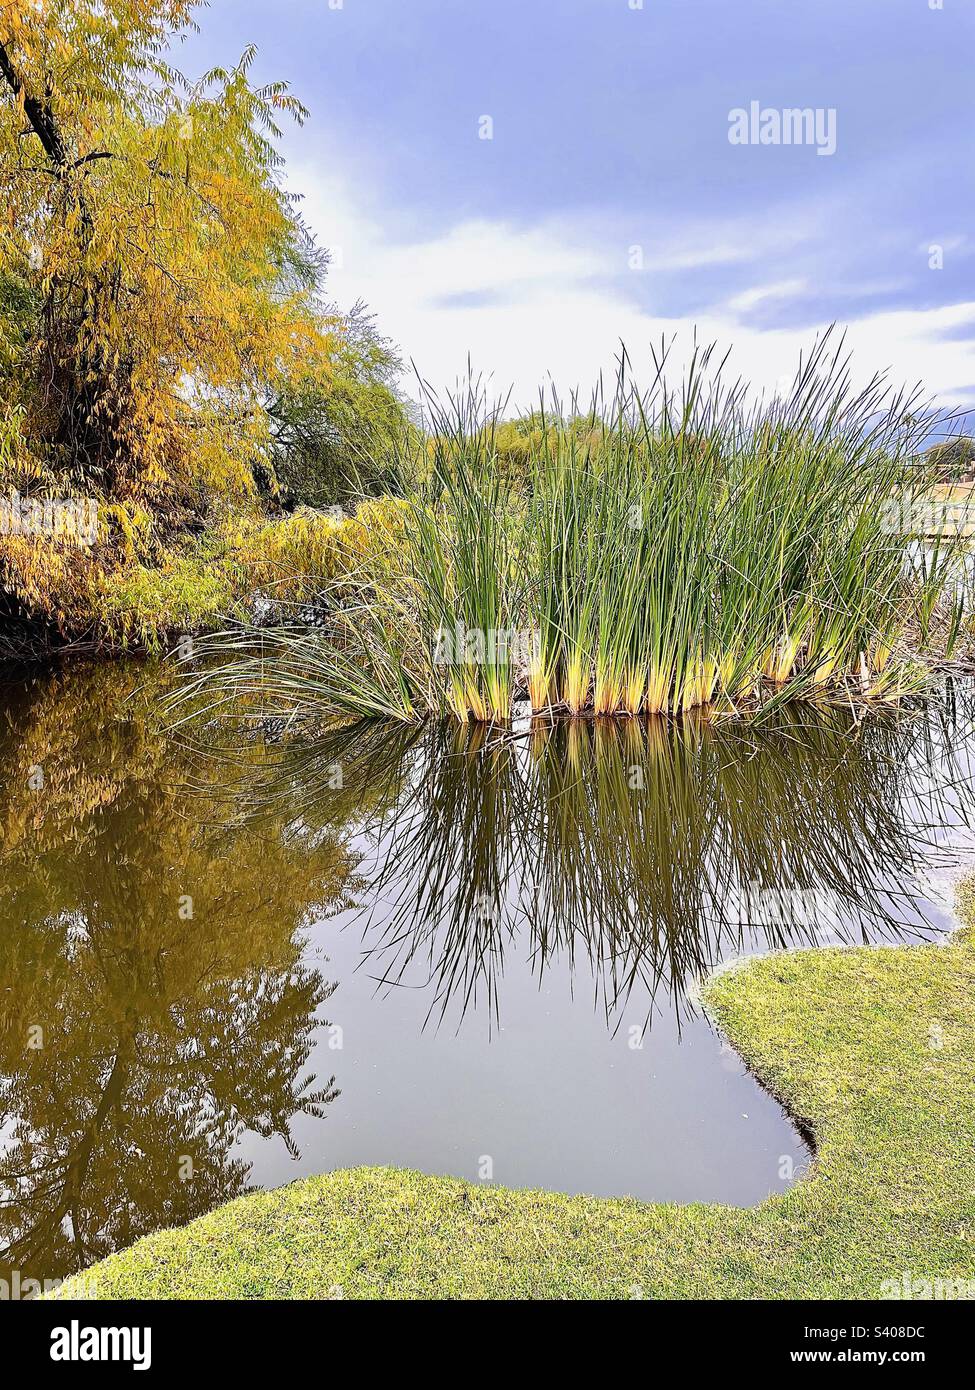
<point>160,1002</point>
<point>154,1002</point>
<point>655,851</point>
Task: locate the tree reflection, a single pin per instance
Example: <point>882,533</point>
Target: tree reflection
<point>154,1001</point>
<point>157,1000</point>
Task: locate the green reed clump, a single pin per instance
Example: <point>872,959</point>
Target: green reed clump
<point>663,551</point>
<point>462,557</point>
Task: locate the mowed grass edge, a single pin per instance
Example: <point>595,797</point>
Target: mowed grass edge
<point>873,1047</point>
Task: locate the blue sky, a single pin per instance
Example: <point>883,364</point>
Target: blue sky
<point>610,203</point>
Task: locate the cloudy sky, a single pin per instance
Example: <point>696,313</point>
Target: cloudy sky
<point>609,203</point>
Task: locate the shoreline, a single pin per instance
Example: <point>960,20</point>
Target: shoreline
<point>837,1035</point>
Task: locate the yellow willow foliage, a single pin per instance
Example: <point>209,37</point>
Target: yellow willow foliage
<point>298,555</point>
<point>55,575</point>
<point>197,584</point>
<point>146,223</point>
<point>375,537</point>
<point>50,576</point>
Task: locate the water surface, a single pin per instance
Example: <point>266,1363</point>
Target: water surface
<point>441,949</point>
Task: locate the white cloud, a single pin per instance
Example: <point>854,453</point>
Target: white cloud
<point>782,289</point>
<point>529,305</point>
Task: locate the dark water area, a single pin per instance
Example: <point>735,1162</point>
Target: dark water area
<point>445,949</point>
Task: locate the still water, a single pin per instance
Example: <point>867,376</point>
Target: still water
<point>227,967</point>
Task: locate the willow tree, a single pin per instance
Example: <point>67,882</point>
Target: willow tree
<point>155,279</point>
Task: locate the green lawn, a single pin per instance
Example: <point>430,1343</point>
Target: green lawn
<point>875,1048</point>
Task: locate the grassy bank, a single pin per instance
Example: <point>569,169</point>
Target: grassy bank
<point>874,1048</point>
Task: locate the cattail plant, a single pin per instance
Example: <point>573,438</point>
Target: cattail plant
<point>663,551</point>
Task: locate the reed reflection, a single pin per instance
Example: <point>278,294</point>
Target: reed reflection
<point>649,851</point>
<point>160,999</point>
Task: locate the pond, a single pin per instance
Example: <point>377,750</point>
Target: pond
<point>453,950</point>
